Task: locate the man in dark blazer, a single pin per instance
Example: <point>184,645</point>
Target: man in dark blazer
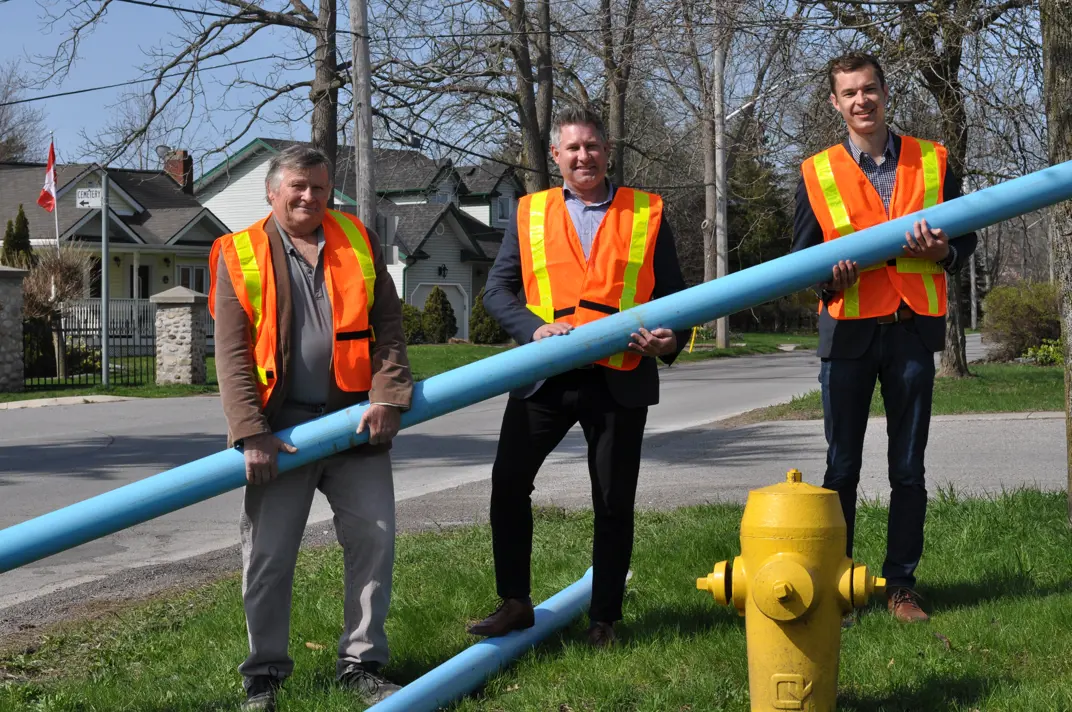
<point>897,348</point>
<point>611,404</point>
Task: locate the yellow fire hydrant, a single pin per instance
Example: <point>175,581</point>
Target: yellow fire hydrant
<point>793,584</point>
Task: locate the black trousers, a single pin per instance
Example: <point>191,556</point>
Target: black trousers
<point>904,365</point>
<point>531,429</point>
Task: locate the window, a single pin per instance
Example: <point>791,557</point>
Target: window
<point>195,278</point>
<point>504,206</point>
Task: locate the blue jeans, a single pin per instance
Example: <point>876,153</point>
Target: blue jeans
<point>905,368</point>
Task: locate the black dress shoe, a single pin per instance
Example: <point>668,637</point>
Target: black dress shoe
<point>601,635</point>
<point>261,694</point>
<point>512,614</point>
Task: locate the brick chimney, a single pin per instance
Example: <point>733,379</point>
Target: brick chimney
<point>180,166</point>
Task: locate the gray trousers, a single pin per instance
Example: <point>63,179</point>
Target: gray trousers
<point>360,490</point>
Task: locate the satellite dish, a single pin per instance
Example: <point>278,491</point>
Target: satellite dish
<point>163,151</point>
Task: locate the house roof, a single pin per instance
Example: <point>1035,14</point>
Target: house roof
<point>483,179</point>
<point>397,170</point>
<point>166,209</point>
<point>415,221</point>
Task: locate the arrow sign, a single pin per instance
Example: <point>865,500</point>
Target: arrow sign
<point>88,197</point>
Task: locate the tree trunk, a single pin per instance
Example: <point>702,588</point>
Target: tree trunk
<point>59,346</point>
<point>1057,71</point>
<point>545,79</point>
<point>324,133</point>
<point>718,81</point>
<point>365,188</point>
<point>943,82</point>
<point>533,141</point>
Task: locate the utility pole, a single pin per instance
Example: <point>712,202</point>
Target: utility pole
<point>105,270</point>
<point>365,186</point>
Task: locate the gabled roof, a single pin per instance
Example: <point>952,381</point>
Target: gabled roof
<point>397,170</point>
<point>483,179</point>
<point>162,209</point>
<point>416,222</point>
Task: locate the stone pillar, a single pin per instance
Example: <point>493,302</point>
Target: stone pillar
<point>180,336</point>
<point>11,347</point>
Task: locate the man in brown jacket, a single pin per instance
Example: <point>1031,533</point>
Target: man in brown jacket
<point>310,361</point>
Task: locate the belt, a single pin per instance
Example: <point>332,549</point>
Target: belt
<point>902,314</point>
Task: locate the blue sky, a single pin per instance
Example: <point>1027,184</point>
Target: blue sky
<point>112,54</point>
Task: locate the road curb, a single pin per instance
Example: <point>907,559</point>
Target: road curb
<point>65,400</point>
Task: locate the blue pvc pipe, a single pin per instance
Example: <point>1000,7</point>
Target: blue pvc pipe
<point>199,480</point>
<point>468,669</point>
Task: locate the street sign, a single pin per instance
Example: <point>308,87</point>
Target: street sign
<point>88,198</point>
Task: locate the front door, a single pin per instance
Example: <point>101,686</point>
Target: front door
<point>139,288</point>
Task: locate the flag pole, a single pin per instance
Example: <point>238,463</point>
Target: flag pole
<point>56,207</point>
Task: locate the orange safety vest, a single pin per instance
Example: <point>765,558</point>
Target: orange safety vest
<point>561,285</point>
<point>349,275</point>
<point>844,201</point>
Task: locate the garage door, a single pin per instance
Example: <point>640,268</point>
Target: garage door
<point>455,296</point>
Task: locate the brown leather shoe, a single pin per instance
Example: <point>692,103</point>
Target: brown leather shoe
<point>512,614</point>
<point>903,603</point>
<point>601,635</point>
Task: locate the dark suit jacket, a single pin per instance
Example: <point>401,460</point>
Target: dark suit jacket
<point>504,298</point>
<point>848,338</point>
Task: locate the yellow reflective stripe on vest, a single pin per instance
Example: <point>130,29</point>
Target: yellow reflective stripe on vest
<point>361,251</point>
<point>931,179</point>
<point>537,231</point>
<point>638,248</point>
<point>926,269</point>
<point>251,277</point>
<point>851,296</point>
<point>834,203</point>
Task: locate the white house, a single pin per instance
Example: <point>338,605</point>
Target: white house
<point>441,224</point>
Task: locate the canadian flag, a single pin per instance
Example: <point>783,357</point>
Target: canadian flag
<point>47,199</point>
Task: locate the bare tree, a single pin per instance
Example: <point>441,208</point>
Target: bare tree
<point>57,276</point>
<point>1057,59</point>
<point>179,73</point>
<point>470,76</point>
<point>22,128</point>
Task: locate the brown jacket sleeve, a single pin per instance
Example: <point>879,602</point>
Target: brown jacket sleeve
<point>392,380</point>
<point>234,362</point>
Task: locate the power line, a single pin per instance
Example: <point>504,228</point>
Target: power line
<point>446,36</point>
<point>132,81</point>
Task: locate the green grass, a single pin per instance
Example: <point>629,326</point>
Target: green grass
<point>995,388</point>
<point>749,344</point>
<point>997,577</point>
<point>427,360</point>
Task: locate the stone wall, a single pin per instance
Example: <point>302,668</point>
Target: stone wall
<point>11,348</point>
<point>181,341</point>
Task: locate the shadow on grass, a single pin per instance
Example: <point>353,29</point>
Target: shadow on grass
<point>992,587</point>
<point>683,621</point>
<point>935,693</point>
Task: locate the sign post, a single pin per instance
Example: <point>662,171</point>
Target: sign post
<point>102,198</point>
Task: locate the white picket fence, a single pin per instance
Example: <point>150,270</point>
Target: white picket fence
<point>133,320</point>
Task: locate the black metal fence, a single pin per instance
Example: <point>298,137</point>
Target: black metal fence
<point>131,346</point>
